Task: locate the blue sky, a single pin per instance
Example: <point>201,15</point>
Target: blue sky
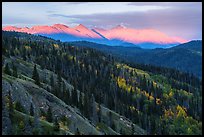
<point>182,19</point>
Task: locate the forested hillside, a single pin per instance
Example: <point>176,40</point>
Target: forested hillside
<point>179,57</point>
<point>50,87</point>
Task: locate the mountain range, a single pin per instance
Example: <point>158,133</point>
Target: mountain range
<point>119,35</point>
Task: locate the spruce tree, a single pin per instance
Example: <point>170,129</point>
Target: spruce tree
<point>49,114</point>
<point>7,69</point>
<point>121,131</point>
<point>36,76</point>
<point>56,125</point>
<point>133,129</point>
<point>74,97</point>
<point>80,102</point>
<point>59,80</point>
<point>77,132</point>
<point>110,119</point>
<point>37,130</point>
<point>11,109</point>
<point>15,73</point>
<point>93,110</point>
<point>52,81</point>
<point>31,110</point>
<point>86,107</point>
<point>99,113</point>
<point>19,107</point>
<point>67,97</point>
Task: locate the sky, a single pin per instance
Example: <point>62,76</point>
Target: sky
<point>179,19</point>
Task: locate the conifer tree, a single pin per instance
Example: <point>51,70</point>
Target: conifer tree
<point>11,109</point>
<point>19,107</point>
<point>52,81</point>
<point>110,119</point>
<point>77,132</point>
<point>93,109</point>
<point>67,97</point>
<point>121,131</point>
<point>99,113</point>
<point>15,73</point>
<point>133,129</point>
<point>31,110</point>
<point>36,76</point>
<point>36,125</point>
<point>86,105</point>
<point>74,97</point>
<point>80,101</point>
<point>7,69</point>
<point>56,125</point>
<point>49,114</point>
<point>59,80</point>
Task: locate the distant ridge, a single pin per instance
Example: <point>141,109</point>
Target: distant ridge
<point>145,38</point>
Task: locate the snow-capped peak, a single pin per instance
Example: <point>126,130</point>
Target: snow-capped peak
<point>60,26</point>
<point>80,27</point>
<point>119,32</point>
<point>10,28</point>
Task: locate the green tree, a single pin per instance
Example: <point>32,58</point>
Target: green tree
<point>7,69</point>
<point>36,76</point>
<point>132,129</point>
<point>59,80</point>
<point>94,116</point>
<point>11,109</point>
<point>121,131</point>
<point>86,107</point>
<point>49,114</point>
<point>110,119</point>
<point>15,73</point>
<point>31,110</point>
<point>99,113</point>
<point>19,107</point>
<point>77,132</point>
<point>75,97</point>
<point>80,101</point>
<point>52,81</point>
<point>56,125</point>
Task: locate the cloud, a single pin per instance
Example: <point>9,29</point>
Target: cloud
<point>176,19</point>
<point>182,22</point>
<point>185,23</point>
<point>76,3</point>
<point>169,4</point>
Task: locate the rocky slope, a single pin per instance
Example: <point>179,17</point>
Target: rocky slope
<point>24,90</point>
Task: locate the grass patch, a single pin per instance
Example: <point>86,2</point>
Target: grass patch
<point>45,127</point>
<point>8,78</point>
<point>103,127</point>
